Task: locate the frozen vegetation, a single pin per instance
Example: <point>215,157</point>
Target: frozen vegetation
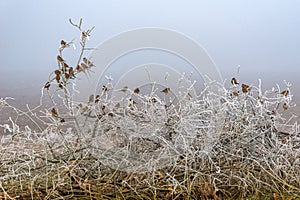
<point>222,143</point>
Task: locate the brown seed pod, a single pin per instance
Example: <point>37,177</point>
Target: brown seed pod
<point>57,72</point>
<point>62,120</point>
<point>47,85</point>
<point>87,62</point>
<point>285,106</point>
<point>234,94</point>
<point>67,76</point>
<point>78,68</point>
<point>260,99</point>
<point>54,112</point>
<point>189,96</point>
<point>222,100</point>
<point>84,109</point>
<point>124,89</point>
<point>104,88</point>
<point>84,34</point>
<point>166,90</point>
<point>131,103</point>
<point>153,100</point>
<point>71,71</point>
<point>91,98</point>
<point>136,90</point>
<point>97,98</point>
<point>63,43</point>
<point>60,59</point>
<point>57,78</point>
<point>234,81</point>
<point>245,88</point>
<point>60,85</point>
<point>285,93</point>
<point>66,65</point>
<point>83,66</point>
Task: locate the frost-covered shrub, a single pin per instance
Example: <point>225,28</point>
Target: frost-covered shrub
<point>221,144</point>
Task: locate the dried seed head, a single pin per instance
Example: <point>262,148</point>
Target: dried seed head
<point>60,85</point>
<point>136,90</point>
<point>53,112</point>
<point>87,62</point>
<point>234,81</point>
<point>91,98</point>
<point>189,96</point>
<point>71,71</point>
<point>57,78</point>
<point>131,103</point>
<point>63,43</point>
<point>78,68</point>
<point>124,89</point>
<point>57,72</point>
<point>60,59</point>
<point>104,88</point>
<point>166,90</point>
<point>83,66</point>
<point>84,109</point>
<point>47,85</point>
<point>153,100</point>
<point>67,76</point>
<point>222,100</point>
<point>97,98</point>
<point>66,65</point>
<point>260,99</point>
<point>234,94</point>
<point>83,36</point>
<point>285,92</point>
<point>285,106</point>
<point>245,88</point>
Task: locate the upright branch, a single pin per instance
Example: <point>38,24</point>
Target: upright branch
<point>84,35</point>
<point>66,72</point>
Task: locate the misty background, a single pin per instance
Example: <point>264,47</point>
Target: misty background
<point>262,37</point>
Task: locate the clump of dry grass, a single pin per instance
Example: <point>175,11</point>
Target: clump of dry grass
<point>215,145</point>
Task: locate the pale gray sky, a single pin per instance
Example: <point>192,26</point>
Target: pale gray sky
<point>260,36</point>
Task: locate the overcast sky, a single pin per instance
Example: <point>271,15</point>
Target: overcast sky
<point>260,36</point>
